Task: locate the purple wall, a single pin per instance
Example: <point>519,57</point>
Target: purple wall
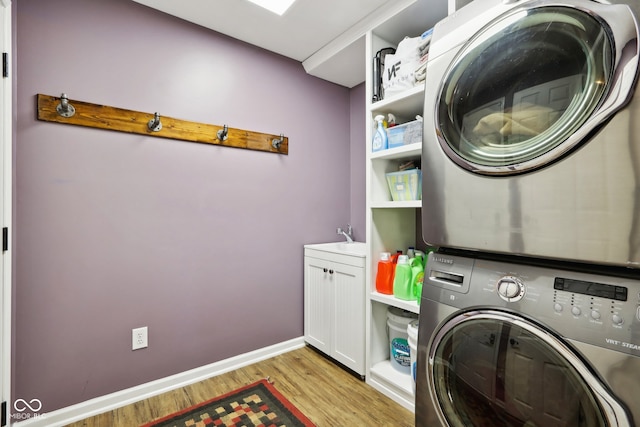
<point>202,244</point>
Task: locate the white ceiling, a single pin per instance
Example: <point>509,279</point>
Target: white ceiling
<point>311,31</point>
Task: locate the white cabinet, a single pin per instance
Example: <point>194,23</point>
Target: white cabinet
<point>334,305</point>
<point>391,225</point>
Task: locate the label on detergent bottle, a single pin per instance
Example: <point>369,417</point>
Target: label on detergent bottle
<point>400,351</point>
<point>418,286</point>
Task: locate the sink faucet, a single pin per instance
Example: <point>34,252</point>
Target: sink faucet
<point>347,234</point>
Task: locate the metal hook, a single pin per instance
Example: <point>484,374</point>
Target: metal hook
<point>154,124</point>
<point>276,143</point>
<point>222,133</point>
<point>64,108</point>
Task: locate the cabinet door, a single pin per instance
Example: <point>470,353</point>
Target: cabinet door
<point>349,316</point>
<point>317,304</point>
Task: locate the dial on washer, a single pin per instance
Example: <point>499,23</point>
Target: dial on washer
<point>510,288</point>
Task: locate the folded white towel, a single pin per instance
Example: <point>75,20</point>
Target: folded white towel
<point>526,120</point>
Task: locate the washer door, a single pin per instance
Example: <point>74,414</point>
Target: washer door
<point>534,83</point>
<point>492,368</point>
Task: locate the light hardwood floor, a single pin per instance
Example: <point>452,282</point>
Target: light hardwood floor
<point>327,394</point>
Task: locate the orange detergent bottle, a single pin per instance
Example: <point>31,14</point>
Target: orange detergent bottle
<point>386,272</point>
<point>384,277</point>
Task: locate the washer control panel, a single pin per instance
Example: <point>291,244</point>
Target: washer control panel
<point>595,309</point>
<point>591,298</point>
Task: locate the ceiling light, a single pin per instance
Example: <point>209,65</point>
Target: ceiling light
<point>275,6</point>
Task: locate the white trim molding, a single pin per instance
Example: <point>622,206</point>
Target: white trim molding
<point>121,398</point>
<point>6,161</point>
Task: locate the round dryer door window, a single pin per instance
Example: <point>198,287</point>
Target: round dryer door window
<point>531,85</point>
<point>490,368</point>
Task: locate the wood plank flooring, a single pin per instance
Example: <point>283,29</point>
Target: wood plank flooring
<point>327,394</point>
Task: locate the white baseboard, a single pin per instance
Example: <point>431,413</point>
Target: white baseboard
<point>112,401</point>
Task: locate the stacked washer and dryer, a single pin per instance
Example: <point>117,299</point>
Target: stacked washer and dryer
<point>530,311</point>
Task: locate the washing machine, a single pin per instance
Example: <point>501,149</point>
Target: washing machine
<point>531,143</point>
<point>523,345</point>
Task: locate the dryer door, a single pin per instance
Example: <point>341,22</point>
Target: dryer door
<point>534,83</point>
<point>492,368</point>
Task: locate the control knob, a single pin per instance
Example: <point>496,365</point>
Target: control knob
<point>510,289</point>
<point>617,319</point>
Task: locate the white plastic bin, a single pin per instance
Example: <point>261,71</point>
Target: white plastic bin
<point>399,354</point>
<point>405,134</point>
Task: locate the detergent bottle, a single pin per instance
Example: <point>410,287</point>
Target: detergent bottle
<point>394,261</point>
<point>411,252</point>
<point>380,139</point>
<point>384,277</point>
<point>423,256</point>
<point>402,287</point>
<point>417,276</point>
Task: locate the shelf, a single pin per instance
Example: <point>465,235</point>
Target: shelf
<point>411,306</point>
<point>413,20</point>
<point>386,374</point>
<point>395,205</point>
<point>403,152</point>
<point>406,104</point>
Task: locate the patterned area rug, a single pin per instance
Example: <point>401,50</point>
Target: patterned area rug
<point>256,405</point>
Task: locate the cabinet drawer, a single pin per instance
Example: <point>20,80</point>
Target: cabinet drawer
<point>354,260</point>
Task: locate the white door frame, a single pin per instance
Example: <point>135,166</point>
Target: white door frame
<point>6,160</point>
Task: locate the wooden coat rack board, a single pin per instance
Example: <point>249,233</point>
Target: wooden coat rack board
<point>59,109</point>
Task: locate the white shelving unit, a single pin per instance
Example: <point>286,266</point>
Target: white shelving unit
<point>391,225</point>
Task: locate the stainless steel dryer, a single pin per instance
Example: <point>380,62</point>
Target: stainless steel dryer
<point>506,345</point>
<point>532,131</point>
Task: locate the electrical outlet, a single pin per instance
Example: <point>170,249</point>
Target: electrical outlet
<point>139,338</point>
